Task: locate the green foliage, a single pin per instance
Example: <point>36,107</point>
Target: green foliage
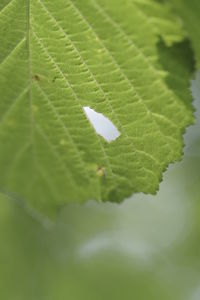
<point>188,11</point>
<point>130,60</point>
<point>117,57</point>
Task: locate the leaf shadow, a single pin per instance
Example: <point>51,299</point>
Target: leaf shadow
<point>179,63</point>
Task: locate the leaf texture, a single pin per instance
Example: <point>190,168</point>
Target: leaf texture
<point>57,57</point>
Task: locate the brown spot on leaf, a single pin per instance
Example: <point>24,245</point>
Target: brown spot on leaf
<point>101,172</point>
<point>54,79</point>
<point>36,77</point>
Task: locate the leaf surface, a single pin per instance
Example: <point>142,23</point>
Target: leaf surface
<point>57,57</point>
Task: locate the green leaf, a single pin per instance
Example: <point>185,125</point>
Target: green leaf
<point>57,57</point>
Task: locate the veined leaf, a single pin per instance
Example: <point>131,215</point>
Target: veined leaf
<point>58,57</point>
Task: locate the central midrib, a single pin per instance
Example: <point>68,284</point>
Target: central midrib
<point>28,27</point>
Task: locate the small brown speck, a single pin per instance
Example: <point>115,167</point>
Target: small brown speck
<point>54,79</point>
<point>36,77</point>
<point>101,172</point>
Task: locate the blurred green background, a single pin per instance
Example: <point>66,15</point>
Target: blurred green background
<point>146,248</point>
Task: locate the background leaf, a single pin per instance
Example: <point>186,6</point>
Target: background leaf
<point>188,11</point>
